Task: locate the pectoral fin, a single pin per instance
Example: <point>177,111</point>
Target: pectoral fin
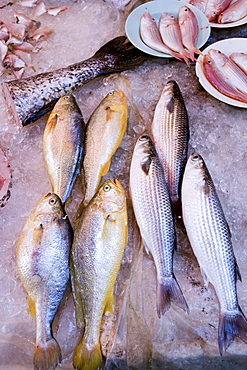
<point>31,306</point>
<point>51,123</point>
<point>106,168</point>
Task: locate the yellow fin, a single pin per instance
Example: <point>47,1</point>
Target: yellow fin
<point>31,305</point>
<point>106,168</point>
<point>51,123</point>
<point>109,307</point>
<point>47,355</point>
<point>87,356</point>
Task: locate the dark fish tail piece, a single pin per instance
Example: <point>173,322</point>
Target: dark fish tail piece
<point>169,291</point>
<point>231,325</point>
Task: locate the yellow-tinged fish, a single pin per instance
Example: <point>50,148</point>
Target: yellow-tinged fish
<point>104,133</point>
<point>100,238</point>
<point>43,265</point>
<point>63,142</point>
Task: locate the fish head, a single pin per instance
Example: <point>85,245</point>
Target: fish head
<point>167,19</point>
<point>184,13</point>
<point>49,205</point>
<point>144,152</point>
<point>218,57</point>
<point>147,19</point>
<point>64,103</point>
<point>110,197</point>
<point>114,99</point>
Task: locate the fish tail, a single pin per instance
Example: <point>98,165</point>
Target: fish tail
<point>119,55</point>
<point>47,355</point>
<point>87,356</point>
<point>231,325</point>
<point>169,291</point>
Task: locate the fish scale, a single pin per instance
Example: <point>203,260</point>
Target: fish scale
<point>210,240</point>
<point>152,208</point>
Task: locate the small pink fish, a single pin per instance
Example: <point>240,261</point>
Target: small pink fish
<point>189,30</point>
<point>240,59</point>
<point>171,35</point>
<point>219,81</point>
<point>199,4</point>
<point>215,7</point>
<point>237,10</point>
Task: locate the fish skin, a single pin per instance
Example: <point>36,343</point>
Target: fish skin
<point>189,30</point>
<point>217,78</point>
<point>215,7</point>
<point>240,59</point>
<point>171,35</point>
<point>104,132</point>
<point>234,12</point>
<point>101,235</point>
<point>43,265</point>
<point>210,240</point>
<point>152,208</point>
<point>63,144</point>
<point>34,96</point>
<point>170,132</point>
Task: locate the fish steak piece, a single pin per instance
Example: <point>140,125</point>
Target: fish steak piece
<point>104,132</point>
<point>210,240</point>
<point>170,131</point>
<point>152,208</point>
<point>63,143</point>
<point>43,265</point>
<point>101,234</point>
<point>34,96</point>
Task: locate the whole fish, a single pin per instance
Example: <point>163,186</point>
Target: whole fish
<point>152,208</point>
<point>171,35</point>
<point>63,143</point>
<point>237,10</point>
<point>240,59</point>
<point>215,7</point>
<point>100,238</point>
<point>189,30</point>
<point>210,239</point>
<point>32,97</point>
<point>104,133</point>
<point>151,36</point>
<point>223,78</point>
<point>43,265</point>
<point>170,131</point>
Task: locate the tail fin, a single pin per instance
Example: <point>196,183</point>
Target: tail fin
<point>87,356</point>
<point>47,355</point>
<point>231,325</point>
<point>169,291</point>
<point>119,55</point>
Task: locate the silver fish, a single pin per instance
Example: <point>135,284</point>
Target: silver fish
<point>32,97</point>
<point>170,133</point>
<point>210,239</point>
<point>63,142</point>
<point>43,265</point>
<point>151,203</point>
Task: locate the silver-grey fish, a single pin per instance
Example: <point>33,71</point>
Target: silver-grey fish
<point>170,133</point>
<point>63,142</point>
<point>210,239</point>
<point>151,203</point>
<point>32,97</point>
<point>43,265</point>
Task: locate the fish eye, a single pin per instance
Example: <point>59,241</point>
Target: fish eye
<point>111,93</point>
<point>107,188</point>
<point>52,201</point>
<point>144,137</point>
<point>195,157</point>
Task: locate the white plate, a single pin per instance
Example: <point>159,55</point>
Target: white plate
<point>230,24</point>
<point>156,8</point>
<point>227,46</point>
